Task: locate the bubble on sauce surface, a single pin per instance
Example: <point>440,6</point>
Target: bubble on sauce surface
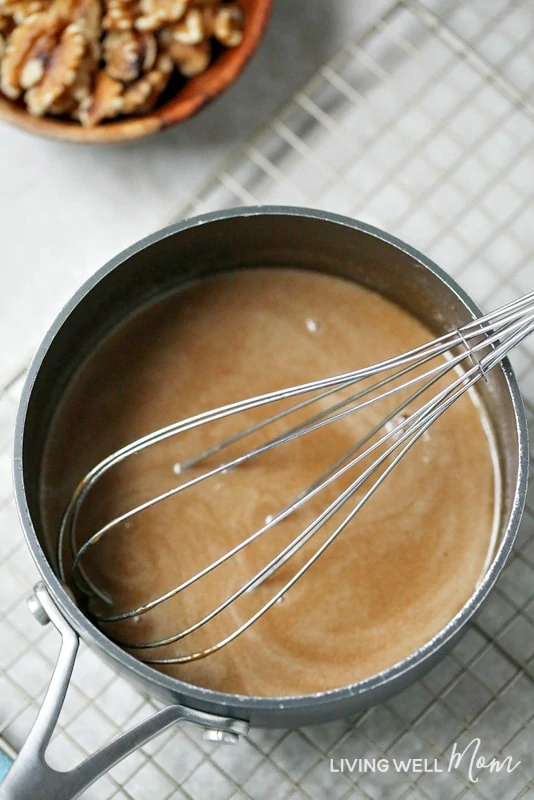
<point>312,325</point>
<point>395,425</point>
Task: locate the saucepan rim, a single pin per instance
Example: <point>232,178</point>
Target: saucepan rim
<point>190,694</point>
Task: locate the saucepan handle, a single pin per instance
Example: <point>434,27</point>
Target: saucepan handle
<point>32,777</point>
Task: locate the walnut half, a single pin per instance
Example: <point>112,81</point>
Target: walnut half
<point>129,54</point>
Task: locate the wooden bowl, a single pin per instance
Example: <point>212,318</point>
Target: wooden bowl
<point>187,101</point>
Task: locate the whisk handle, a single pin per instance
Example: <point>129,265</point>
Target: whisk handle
<point>32,777</point>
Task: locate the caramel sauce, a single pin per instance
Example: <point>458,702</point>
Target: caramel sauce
<point>391,580</point>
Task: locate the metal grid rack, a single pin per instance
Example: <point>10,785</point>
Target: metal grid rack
<point>423,127</point>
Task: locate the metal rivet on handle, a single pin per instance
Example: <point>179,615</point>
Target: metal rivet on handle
<point>37,610</point>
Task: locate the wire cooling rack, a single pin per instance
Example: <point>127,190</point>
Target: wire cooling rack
<point>423,126</point>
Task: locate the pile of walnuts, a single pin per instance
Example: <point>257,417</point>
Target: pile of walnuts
<point>98,59</point>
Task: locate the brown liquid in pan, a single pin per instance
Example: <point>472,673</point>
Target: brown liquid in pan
<point>401,570</point>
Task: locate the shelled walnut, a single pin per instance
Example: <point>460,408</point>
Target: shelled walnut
<point>94,60</point>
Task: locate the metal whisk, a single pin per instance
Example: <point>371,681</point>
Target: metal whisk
<point>470,352</point>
